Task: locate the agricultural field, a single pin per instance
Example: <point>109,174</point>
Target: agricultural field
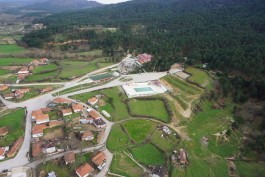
<point>72,69</point>
<point>123,165</point>
<point>45,69</point>
<point>200,77</point>
<point>14,61</point>
<point>151,108</point>
<point>10,48</point>
<point>14,120</point>
<point>139,130</point>
<point>49,76</point>
<point>118,139</point>
<point>92,53</point>
<point>253,169</point>
<point>148,154</point>
<point>3,72</point>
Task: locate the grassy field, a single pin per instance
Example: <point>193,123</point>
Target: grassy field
<point>118,139</point>
<point>12,48</point>
<point>252,169</point>
<point>46,68</point>
<point>92,53</point>
<point>3,72</point>
<point>79,68</point>
<point>14,61</point>
<point>148,154</point>
<point>123,165</point>
<point>200,77</point>
<point>42,77</point>
<point>154,108</point>
<point>139,130</point>
<point>14,121</point>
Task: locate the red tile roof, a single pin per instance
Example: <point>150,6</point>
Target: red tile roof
<point>41,118</point>
<point>61,100</point>
<point>92,100</point>
<point>69,157</point>
<point>3,87</point>
<point>66,111</point>
<point>87,134</point>
<point>36,113</point>
<point>99,158</point>
<point>94,114</point>
<point>47,89</point>
<point>15,147</point>
<point>77,107</point>
<point>84,170</point>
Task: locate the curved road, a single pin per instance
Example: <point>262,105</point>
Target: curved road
<point>21,158</point>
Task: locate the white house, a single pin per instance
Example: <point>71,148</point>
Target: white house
<point>49,148</point>
<point>23,70</point>
<point>87,136</point>
<point>67,112</point>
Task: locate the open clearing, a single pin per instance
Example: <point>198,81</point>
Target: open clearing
<point>139,130</point>
<point>200,77</point>
<point>153,108</point>
<point>148,154</point>
<point>118,139</point>
<point>14,61</point>
<point>14,121</point>
<point>10,48</point>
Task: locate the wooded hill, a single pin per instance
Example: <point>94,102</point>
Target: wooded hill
<point>229,35</point>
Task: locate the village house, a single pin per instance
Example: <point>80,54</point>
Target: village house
<point>92,101</point>
<point>9,96</point>
<point>99,160</point>
<point>84,170</point>
<point>99,123</point>
<point>20,93</point>
<point>60,100</point>
<point>48,148</point>
<point>166,130</point>
<point>21,77</point>
<point>182,157</point>
<point>37,130</point>
<point>15,147</point>
<point>51,174</point>
<point>36,113</point>
<point>3,87</point>
<point>67,112</point>
<point>69,157</point>
<point>46,110</point>
<point>55,123</point>
<point>42,119</point>
<point>77,107</point>
<point>3,131</point>
<point>144,58</point>
<point>158,171</point>
<point>46,89</point>
<point>87,136</point>
<point>3,151</point>
<point>44,61</point>
<point>35,63</point>
<point>36,149</point>
<point>23,70</point>
<point>94,114</point>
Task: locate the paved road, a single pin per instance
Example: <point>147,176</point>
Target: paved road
<point>41,101</point>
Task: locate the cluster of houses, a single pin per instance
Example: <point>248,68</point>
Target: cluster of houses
<point>26,71</point>
<point>144,58</point>
<point>41,121</point>
<point>20,92</point>
<point>6,151</point>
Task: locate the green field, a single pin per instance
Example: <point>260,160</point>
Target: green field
<point>14,61</point>
<point>43,69</point>
<point>123,165</point>
<point>3,72</point>
<point>139,130</point>
<point>14,121</point>
<point>42,77</point>
<point>92,53</point>
<point>118,139</point>
<point>148,154</point>
<point>10,48</point>
<point>154,108</point>
<point>200,77</point>
<point>252,169</point>
<point>78,68</point>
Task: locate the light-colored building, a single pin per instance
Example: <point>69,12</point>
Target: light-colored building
<point>48,148</point>
<point>67,112</point>
<point>87,136</point>
<point>3,151</point>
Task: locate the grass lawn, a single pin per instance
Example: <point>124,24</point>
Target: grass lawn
<point>14,121</point>
<point>41,77</point>
<point>148,154</point>
<point>123,165</point>
<point>251,169</point>
<point>14,61</point>
<point>167,144</point>
<point>79,68</point>
<point>139,130</point>
<point>118,139</point>
<point>3,72</point>
<point>12,48</point>
<point>182,85</point>
<point>155,108</point>
<point>200,77</point>
<point>46,68</point>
